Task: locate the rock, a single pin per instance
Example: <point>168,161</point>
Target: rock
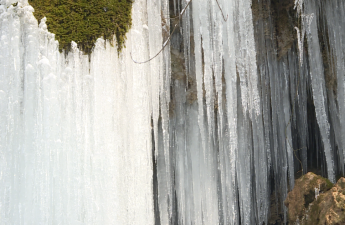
<point>314,200</point>
<point>276,213</point>
<point>329,208</point>
<point>281,15</point>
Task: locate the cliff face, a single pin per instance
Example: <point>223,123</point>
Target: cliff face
<point>296,39</point>
<point>292,89</point>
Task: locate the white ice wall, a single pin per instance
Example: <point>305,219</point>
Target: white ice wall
<point>75,133</point>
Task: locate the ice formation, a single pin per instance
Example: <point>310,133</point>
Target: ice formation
<point>317,192</point>
<point>205,133</point>
<point>75,133</point>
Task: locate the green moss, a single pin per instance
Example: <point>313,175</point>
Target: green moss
<point>329,184</point>
<point>84,21</point>
<point>314,183</point>
<point>314,211</point>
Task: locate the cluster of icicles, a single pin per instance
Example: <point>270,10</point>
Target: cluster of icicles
<point>103,140</point>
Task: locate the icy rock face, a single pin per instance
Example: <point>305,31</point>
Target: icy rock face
<point>75,132</point>
<point>216,139</point>
<point>103,140</point>
<point>266,107</point>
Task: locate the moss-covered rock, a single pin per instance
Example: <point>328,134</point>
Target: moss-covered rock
<point>303,194</point>
<point>329,208</point>
<point>306,208</point>
<point>84,21</point>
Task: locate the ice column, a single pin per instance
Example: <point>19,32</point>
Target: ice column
<point>318,87</point>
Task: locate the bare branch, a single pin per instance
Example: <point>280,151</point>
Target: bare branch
<point>169,38</point>
<point>225,19</point>
<point>165,44</point>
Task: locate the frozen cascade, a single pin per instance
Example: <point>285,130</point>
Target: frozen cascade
<point>75,139</point>
<point>208,132</point>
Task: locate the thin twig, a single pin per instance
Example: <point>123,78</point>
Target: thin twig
<point>169,38</point>
<point>222,12</point>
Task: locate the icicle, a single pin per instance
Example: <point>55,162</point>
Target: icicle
<point>229,185</point>
<point>334,24</point>
<point>299,7</point>
<point>318,87</point>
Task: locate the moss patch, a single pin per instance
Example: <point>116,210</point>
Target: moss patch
<point>84,21</point>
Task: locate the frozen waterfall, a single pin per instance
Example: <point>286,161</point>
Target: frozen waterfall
<point>75,133</point>
<point>213,130</point>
